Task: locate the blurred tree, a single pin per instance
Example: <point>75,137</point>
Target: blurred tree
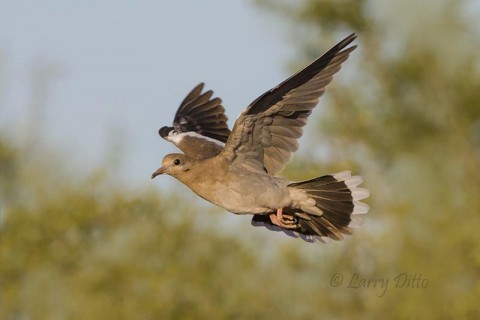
<point>405,113</point>
<point>407,110</point>
<point>83,246</point>
<point>89,250</point>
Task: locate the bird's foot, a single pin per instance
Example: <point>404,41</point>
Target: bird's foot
<point>283,220</point>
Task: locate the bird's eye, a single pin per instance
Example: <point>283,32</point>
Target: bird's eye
<point>176,162</point>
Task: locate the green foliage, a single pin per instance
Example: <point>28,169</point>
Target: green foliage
<point>83,248</point>
<point>96,252</point>
<point>404,113</point>
<point>408,115</point>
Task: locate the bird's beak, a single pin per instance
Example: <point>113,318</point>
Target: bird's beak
<point>160,171</point>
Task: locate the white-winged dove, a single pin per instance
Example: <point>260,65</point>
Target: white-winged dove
<point>236,170</point>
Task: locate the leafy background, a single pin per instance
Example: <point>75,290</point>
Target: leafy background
<point>406,115</point>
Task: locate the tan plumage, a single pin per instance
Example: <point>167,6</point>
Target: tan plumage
<point>236,170</point>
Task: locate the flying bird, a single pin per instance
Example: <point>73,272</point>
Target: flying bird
<point>237,170</point>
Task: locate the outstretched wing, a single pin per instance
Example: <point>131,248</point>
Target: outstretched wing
<point>266,133</point>
<point>200,127</point>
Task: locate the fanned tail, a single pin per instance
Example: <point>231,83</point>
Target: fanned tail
<point>331,211</point>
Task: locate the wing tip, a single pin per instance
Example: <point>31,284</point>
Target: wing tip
<point>341,47</point>
<point>347,40</point>
<point>164,131</point>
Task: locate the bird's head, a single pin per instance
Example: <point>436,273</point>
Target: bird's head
<point>174,164</point>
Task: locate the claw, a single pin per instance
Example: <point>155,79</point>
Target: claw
<point>284,221</point>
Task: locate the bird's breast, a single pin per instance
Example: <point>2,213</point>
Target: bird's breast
<point>243,194</point>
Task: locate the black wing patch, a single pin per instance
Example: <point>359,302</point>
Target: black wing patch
<point>200,114</point>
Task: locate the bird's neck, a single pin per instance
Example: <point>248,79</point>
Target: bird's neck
<point>202,173</point>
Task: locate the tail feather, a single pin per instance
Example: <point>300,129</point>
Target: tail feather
<point>337,196</point>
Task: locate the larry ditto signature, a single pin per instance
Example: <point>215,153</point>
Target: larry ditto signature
<point>380,284</point>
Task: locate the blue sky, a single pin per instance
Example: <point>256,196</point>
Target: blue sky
<point>119,69</point>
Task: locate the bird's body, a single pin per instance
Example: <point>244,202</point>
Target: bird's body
<point>234,189</point>
<point>237,170</point>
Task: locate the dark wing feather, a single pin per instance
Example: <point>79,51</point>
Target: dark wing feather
<point>266,133</point>
<point>200,127</point>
